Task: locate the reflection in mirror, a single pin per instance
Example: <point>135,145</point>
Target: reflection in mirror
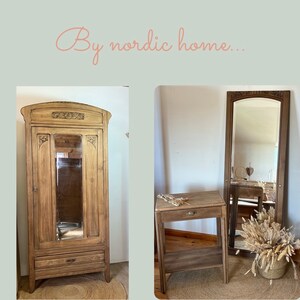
<point>255,158</point>
<point>68,162</point>
<point>254,154</point>
<point>255,142</point>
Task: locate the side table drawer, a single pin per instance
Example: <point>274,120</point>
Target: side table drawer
<point>190,214</point>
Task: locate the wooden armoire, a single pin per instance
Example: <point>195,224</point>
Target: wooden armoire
<point>67,190</point>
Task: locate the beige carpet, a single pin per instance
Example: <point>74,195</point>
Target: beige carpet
<point>89,286</point>
<point>208,284</point>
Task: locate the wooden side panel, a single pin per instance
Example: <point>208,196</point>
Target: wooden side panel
<point>90,150</point>
<point>103,207</point>
<point>42,188</point>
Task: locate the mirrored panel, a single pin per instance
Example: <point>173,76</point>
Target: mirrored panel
<point>255,143</point>
<point>68,162</point>
<point>254,157</point>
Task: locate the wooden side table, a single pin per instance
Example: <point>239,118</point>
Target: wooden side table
<point>200,205</point>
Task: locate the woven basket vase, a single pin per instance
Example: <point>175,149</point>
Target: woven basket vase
<point>277,270</point>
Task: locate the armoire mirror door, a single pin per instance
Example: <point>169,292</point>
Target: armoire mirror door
<point>68,175</point>
<point>257,126</point>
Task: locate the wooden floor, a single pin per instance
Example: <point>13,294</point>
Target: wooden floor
<point>176,241</point>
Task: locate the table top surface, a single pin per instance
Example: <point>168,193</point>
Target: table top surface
<point>195,200</point>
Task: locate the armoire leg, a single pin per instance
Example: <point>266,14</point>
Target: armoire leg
<point>31,284</point>
<point>107,274</point>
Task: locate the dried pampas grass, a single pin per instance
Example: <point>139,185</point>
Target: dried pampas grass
<point>271,243</point>
<point>176,201</point>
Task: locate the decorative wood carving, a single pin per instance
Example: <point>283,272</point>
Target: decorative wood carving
<point>67,115</point>
<point>92,139</point>
<point>42,139</point>
<point>277,95</point>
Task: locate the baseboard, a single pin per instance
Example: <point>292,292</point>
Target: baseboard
<point>190,234</point>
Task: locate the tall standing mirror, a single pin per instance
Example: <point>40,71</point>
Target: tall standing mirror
<point>257,124</point>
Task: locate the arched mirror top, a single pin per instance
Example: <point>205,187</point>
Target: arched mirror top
<point>256,146</point>
<point>275,95</point>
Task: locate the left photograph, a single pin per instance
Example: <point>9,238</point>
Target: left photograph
<point>72,192</point>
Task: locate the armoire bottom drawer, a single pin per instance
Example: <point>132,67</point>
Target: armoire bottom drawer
<point>69,264</point>
<point>68,259</point>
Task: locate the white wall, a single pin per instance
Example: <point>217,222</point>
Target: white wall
<point>191,152</point>
<point>116,101</point>
<point>192,123</point>
<point>258,155</point>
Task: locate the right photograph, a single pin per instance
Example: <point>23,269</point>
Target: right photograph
<point>226,192</point>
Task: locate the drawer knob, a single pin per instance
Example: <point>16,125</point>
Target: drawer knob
<point>191,213</point>
<point>70,260</point>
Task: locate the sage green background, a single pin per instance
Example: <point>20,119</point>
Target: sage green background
<point>267,30</point>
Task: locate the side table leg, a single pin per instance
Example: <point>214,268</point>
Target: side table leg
<point>224,247</point>
<point>160,252</point>
<point>219,239</point>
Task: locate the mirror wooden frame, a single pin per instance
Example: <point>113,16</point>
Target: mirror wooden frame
<point>281,182</point>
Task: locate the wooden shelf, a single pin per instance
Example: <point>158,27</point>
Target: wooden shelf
<point>200,258</point>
